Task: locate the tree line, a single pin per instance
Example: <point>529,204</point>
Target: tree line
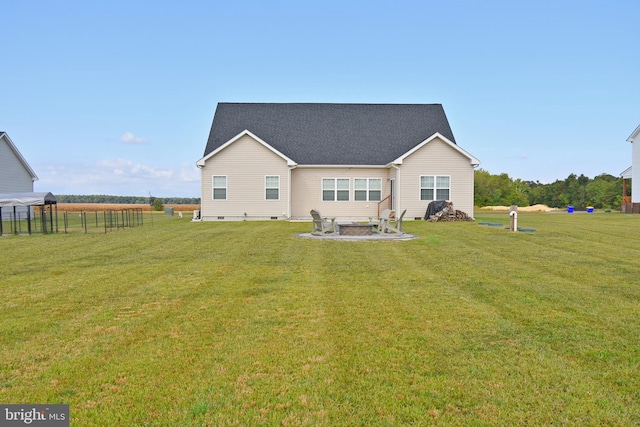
<point>602,192</point>
<point>102,198</point>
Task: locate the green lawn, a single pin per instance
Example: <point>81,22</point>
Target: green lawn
<point>179,323</point>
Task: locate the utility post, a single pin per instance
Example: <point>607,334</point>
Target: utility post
<point>513,218</point>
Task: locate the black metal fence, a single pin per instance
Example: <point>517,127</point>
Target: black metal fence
<point>44,221</point>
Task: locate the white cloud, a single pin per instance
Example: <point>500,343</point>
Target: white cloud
<point>132,171</point>
<point>189,173</point>
<point>130,138</point>
<point>120,177</point>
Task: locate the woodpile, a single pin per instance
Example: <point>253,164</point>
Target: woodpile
<point>450,214</point>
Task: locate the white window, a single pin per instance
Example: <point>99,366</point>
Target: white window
<point>272,187</point>
<point>367,189</point>
<point>435,187</point>
<point>335,189</point>
<point>219,187</point>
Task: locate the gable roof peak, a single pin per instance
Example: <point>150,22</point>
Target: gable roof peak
<point>634,135</point>
<point>12,146</point>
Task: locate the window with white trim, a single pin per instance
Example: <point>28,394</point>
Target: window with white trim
<point>335,189</point>
<point>272,187</point>
<point>435,187</point>
<point>219,187</point>
<point>367,189</point>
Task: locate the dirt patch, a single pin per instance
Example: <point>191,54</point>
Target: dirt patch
<point>534,208</point>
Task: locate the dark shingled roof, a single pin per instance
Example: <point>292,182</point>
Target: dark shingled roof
<point>332,134</point>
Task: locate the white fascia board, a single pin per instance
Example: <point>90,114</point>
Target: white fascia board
<point>473,160</point>
<point>200,163</point>
<point>13,148</point>
<point>626,174</point>
<point>634,135</point>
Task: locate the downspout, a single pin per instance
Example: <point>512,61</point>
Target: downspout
<point>473,191</point>
<point>201,167</point>
<point>289,193</point>
<point>398,193</point>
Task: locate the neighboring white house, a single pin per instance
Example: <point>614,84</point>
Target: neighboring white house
<point>279,161</point>
<point>633,173</point>
<point>16,176</point>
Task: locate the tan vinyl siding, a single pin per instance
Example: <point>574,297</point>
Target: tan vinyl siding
<point>14,177</point>
<point>245,163</point>
<point>436,158</point>
<point>306,192</point>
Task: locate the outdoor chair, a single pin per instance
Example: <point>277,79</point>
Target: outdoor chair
<point>387,226</point>
<point>385,216</point>
<point>322,226</point>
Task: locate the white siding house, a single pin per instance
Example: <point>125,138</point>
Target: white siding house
<point>633,173</point>
<point>15,173</point>
<point>279,161</point>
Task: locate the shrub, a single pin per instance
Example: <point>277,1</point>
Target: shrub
<point>158,205</point>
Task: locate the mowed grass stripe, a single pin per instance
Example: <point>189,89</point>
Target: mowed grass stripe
<point>551,307</point>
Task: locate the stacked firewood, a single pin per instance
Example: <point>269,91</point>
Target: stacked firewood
<point>450,214</point>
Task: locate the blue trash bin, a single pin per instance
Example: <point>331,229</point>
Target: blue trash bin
<point>589,209</point>
<point>569,209</point>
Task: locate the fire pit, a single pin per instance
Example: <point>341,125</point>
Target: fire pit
<point>355,229</point>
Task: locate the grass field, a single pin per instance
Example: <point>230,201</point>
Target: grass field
<point>179,323</point>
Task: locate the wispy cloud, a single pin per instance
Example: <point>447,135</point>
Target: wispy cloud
<point>522,156</point>
<point>129,170</point>
<point>189,174</point>
<point>120,177</point>
<point>130,138</point>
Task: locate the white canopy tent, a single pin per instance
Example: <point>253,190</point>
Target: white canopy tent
<point>26,200</point>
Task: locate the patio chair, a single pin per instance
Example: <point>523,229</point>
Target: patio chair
<point>385,216</point>
<point>322,226</point>
<point>396,227</point>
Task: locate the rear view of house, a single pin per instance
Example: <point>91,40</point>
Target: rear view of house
<point>279,161</point>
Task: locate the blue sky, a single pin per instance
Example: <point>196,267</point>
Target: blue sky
<point>117,97</point>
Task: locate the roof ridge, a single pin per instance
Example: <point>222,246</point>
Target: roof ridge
<point>327,103</point>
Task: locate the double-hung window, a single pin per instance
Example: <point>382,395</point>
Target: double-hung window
<point>272,187</point>
<point>335,189</point>
<point>367,189</point>
<point>219,187</point>
<point>436,187</point>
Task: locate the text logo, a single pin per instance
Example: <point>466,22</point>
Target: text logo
<point>34,415</point>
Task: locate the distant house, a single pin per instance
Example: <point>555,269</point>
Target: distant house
<point>279,161</point>
<point>632,204</point>
<point>15,173</point>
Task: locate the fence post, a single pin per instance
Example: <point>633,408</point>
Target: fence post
<point>43,220</point>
